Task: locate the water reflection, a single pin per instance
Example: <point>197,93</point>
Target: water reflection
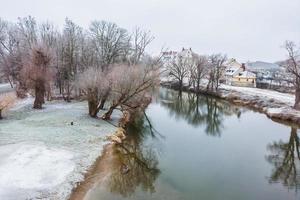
<point>193,166</point>
<point>199,110</point>
<point>135,165</point>
<point>285,158</point>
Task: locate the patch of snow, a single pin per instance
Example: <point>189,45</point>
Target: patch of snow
<point>275,110</point>
<point>42,155</point>
<point>21,103</point>
<point>5,87</point>
<point>26,167</point>
<point>288,99</point>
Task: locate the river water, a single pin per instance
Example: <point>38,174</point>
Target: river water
<point>191,148</point>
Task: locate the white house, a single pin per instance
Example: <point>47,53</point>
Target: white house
<point>237,75</point>
<point>232,68</point>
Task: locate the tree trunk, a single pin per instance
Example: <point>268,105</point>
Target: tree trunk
<point>297,99</point>
<point>1,115</point>
<point>198,85</point>
<point>68,92</point>
<point>60,86</point>
<point>180,85</point>
<point>93,108</point>
<point>10,82</point>
<point>39,97</point>
<point>103,100</point>
<point>108,114</point>
<point>102,103</point>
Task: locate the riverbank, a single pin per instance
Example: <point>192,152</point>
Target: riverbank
<point>46,153</point>
<point>97,174</point>
<point>275,105</point>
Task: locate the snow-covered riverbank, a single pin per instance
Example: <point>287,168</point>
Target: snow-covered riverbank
<point>274,104</point>
<point>43,156</point>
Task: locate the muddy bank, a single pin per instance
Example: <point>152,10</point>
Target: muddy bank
<point>97,173</point>
<point>274,108</point>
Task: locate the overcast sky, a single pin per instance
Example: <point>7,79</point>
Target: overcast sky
<point>244,29</point>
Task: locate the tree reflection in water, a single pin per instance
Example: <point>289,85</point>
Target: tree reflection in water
<point>199,110</point>
<point>135,165</point>
<point>286,161</point>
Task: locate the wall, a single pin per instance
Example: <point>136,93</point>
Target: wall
<point>245,82</point>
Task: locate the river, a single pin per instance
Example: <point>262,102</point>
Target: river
<point>191,148</point>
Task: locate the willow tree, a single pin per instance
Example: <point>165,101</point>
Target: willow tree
<point>95,83</point>
<point>38,73</point>
<point>131,87</point>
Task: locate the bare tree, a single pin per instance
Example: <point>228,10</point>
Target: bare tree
<point>38,73</point>
<point>216,70</point>
<point>48,34</point>
<point>69,55</point>
<point>16,43</point>
<point>6,51</point>
<point>140,40</point>
<point>131,87</point>
<point>27,28</point>
<point>178,70</point>
<point>292,65</point>
<point>198,70</point>
<point>110,42</point>
<point>96,85</point>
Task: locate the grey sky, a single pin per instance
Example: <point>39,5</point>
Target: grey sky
<point>244,29</point>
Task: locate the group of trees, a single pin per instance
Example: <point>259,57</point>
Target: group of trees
<point>195,68</point>
<point>106,63</point>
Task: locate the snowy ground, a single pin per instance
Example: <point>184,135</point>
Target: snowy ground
<point>286,98</point>
<point>5,87</point>
<point>42,156</point>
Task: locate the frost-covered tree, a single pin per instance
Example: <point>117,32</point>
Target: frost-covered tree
<point>70,54</point>
<point>140,40</point>
<point>131,87</point>
<point>178,70</point>
<point>198,70</point>
<point>292,65</point>
<point>37,72</point>
<point>96,85</point>
<point>111,42</point>
<point>215,70</point>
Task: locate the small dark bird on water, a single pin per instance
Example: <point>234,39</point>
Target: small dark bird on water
<point>72,123</point>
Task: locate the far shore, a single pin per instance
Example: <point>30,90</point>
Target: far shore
<point>276,105</point>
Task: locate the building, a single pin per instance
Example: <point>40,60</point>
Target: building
<point>232,68</point>
<point>168,56</point>
<point>244,79</point>
<point>237,75</point>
